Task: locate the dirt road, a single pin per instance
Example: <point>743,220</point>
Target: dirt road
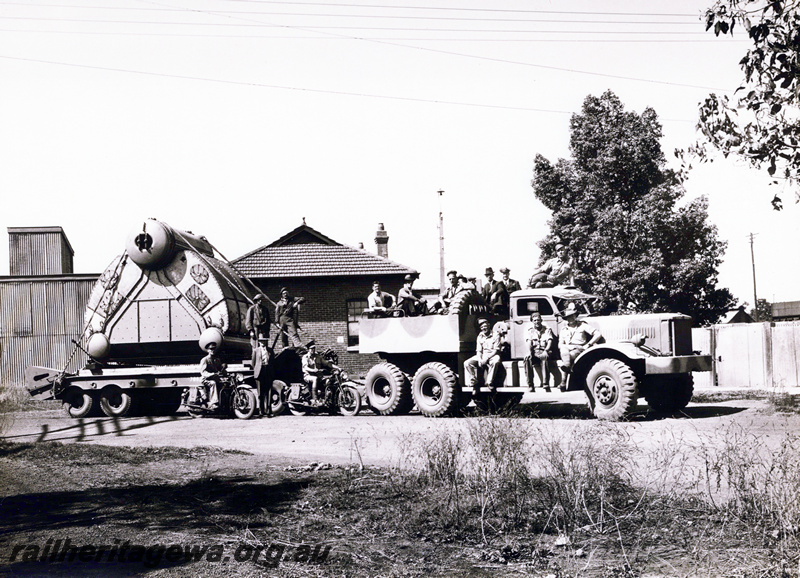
<point>378,440</point>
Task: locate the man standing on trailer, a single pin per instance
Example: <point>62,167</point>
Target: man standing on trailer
<point>287,313</point>
<point>257,321</point>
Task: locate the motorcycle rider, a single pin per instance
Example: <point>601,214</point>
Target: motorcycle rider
<point>211,368</point>
<point>315,366</point>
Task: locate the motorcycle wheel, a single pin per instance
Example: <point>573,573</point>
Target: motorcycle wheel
<point>244,403</point>
<point>349,400</point>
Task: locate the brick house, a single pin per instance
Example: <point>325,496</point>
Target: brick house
<point>334,278</point>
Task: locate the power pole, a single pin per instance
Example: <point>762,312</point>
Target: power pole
<point>755,294</point>
<point>441,243</point>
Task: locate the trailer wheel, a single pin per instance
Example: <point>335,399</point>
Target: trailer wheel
<point>388,390</point>
<point>612,388</point>
<point>668,393</point>
<point>244,403</point>
<point>115,402</point>
<point>434,389</point>
<point>78,403</point>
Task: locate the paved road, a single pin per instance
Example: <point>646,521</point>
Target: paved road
<point>380,440</point>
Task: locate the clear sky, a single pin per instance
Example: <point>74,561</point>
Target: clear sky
<point>238,118</point>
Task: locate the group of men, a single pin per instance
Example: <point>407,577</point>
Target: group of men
<point>575,336</point>
<point>257,323</point>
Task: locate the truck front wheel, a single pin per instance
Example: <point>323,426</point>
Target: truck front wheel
<point>388,390</point>
<point>612,388</point>
<point>434,389</point>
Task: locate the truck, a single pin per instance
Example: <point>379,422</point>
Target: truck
<point>422,358</point>
<point>147,321</point>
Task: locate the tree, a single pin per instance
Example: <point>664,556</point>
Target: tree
<point>761,123</point>
<point>615,206</point>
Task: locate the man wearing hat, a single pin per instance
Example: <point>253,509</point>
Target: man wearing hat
<point>314,367</point>
<point>495,294</point>
<point>487,356</point>
<point>257,320</point>
<point>211,366</point>
<point>262,372</point>
<point>409,301</point>
<point>575,337</point>
<point>287,313</point>
<point>511,284</point>
<point>555,271</point>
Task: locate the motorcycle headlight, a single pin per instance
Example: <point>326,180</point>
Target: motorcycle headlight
<point>345,377</point>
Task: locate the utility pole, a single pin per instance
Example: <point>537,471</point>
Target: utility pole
<point>755,294</point>
<point>441,243</point>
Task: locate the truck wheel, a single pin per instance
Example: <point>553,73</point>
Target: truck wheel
<point>244,403</point>
<point>669,393</point>
<point>388,390</point>
<point>612,389</point>
<point>78,403</point>
<point>349,400</point>
<point>115,402</point>
<point>434,389</point>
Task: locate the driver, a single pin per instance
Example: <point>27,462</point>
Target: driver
<point>211,369</point>
<point>314,367</point>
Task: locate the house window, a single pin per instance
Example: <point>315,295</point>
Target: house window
<point>354,309</point>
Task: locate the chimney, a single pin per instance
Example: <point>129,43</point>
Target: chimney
<point>382,241</point>
<point>361,245</point>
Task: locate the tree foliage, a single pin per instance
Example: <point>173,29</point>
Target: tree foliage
<point>760,124</point>
<point>615,205</point>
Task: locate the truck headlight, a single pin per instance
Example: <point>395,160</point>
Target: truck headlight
<point>638,339</point>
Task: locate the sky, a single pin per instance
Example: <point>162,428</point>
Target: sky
<point>237,119</point>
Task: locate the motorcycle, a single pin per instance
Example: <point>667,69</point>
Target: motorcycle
<point>236,398</point>
<point>336,393</point>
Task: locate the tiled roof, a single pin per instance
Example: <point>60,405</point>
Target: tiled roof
<point>309,259</point>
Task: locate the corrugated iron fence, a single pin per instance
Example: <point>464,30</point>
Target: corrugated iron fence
<point>38,319</point>
<point>752,355</point>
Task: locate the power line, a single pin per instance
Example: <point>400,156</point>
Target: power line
<point>344,38</point>
<point>382,6</point>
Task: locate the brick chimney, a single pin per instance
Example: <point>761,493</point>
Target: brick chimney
<point>382,241</point>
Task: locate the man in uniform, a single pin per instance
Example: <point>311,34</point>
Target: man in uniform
<point>511,284</point>
<point>487,356</point>
<point>409,301</point>
<point>575,337</point>
<point>314,367</point>
<point>287,313</point>
<point>495,294</point>
<point>555,271</point>
<point>540,340</point>
<point>257,320</point>
<point>211,368</point>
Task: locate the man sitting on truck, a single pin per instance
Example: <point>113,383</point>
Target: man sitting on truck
<point>540,341</point>
<point>314,367</point>
<point>378,302</point>
<point>555,271</point>
<point>211,367</point>
<point>487,356</point>
<point>409,301</point>
<point>575,337</point>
